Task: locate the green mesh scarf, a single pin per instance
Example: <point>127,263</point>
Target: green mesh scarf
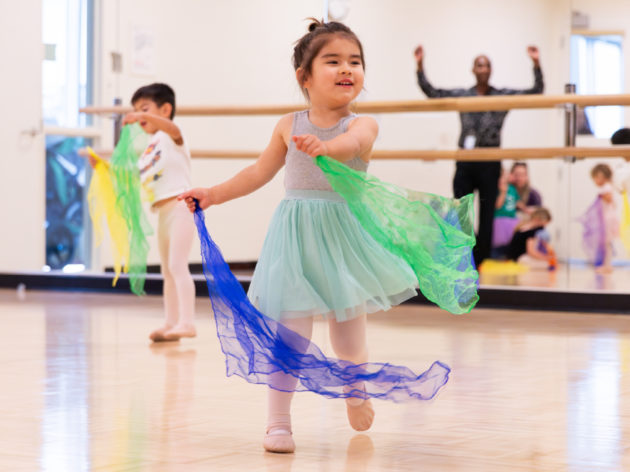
<point>126,176</point>
<point>433,234</point>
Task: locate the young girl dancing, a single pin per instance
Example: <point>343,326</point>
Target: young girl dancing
<point>317,259</point>
<point>600,222</point>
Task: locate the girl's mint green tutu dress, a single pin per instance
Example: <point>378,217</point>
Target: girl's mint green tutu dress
<point>317,259</point>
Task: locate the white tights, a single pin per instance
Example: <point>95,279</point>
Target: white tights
<point>175,235</point>
<point>348,340</point>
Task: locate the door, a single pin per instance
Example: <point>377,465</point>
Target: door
<point>21,161</point>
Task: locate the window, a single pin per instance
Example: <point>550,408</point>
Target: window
<point>67,69</point>
<point>597,68</point>
<point>66,219</point>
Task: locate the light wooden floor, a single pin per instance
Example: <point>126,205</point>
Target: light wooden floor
<point>82,390</point>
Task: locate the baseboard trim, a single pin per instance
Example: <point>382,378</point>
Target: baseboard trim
<point>600,302</point>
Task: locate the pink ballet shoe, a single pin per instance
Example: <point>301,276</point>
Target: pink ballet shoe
<point>360,416</point>
<point>279,440</point>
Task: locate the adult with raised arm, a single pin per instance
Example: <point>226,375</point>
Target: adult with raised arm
<point>478,130</point>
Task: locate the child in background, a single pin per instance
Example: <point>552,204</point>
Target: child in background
<point>165,173</point>
<point>317,259</point>
<point>531,239</point>
<point>505,219</point>
<point>601,224</point>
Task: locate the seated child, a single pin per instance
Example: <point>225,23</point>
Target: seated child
<point>531,239</point>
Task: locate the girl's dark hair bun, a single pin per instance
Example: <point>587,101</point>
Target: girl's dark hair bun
<point>315,23</point>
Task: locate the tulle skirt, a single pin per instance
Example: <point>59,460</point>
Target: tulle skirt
<point>317,259</point>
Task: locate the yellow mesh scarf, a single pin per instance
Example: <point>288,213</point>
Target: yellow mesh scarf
<point>102,203</point>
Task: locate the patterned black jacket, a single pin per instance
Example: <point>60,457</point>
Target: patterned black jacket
<point>484,126</point>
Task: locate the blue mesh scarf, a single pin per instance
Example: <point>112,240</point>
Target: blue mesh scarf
<point>256,346</point>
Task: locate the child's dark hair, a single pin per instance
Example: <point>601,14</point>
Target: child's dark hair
<point>309,45</point>
<point>158,93</point>
<point>621,136</point>
<point>603,169</point>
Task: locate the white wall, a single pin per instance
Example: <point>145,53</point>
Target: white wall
<point>22,196</point>
<point>239,53</point>
<point>220,52</point>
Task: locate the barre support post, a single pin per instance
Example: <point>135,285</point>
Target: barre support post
<point>117,121</point>
<point>570,121</point>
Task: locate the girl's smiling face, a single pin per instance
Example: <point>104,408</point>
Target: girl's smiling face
<point>337,73</point>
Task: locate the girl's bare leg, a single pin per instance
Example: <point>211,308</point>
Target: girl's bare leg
<point>349,341</point>
<point>278,436</point>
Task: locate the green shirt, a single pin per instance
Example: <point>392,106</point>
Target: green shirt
<point>509,205</point>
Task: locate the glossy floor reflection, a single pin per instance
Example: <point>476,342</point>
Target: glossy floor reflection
<point>576,277</point>
<point>83,390</point>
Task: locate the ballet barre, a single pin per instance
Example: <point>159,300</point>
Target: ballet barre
<point>460,104</point>
<point>477,154</point>
<point>568,101</point>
